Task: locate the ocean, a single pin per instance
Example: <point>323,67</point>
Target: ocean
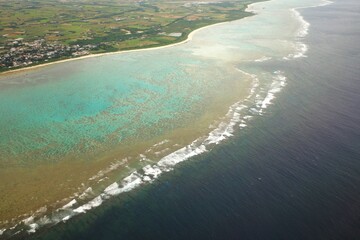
<point>282,164</point>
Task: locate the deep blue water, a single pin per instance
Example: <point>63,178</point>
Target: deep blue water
<point>294,173</point>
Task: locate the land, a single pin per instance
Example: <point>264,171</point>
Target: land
<point>39,31</point>
<point>46,31</point>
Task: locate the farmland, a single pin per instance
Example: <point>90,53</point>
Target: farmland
<point>58,29</point>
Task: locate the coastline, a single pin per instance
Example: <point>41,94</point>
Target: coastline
<point>189,38</point>
<point>144,205</point>
<point>24,219</point>
<point>115,188</point>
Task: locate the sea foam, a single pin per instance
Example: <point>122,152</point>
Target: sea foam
<point>300,47</point>
<point>239,114</point>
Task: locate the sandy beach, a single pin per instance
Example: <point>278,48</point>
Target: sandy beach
<point>181,136</point>
<point>189,38</point>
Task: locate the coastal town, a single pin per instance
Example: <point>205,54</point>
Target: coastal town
<point>19,53</point>
<point>36,32</point>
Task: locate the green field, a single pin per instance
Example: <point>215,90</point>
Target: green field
<point>110,25</point>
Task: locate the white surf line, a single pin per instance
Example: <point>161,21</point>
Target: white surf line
<point>301,48</point>
<point>148,173</point>
<point>199,146</point>
<point>276,86</point>
<point>167,163</point>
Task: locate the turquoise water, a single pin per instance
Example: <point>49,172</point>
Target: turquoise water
<point>85,108</point>
<point>293,173</point>
<point>95,104</point>
<point>82,105</point>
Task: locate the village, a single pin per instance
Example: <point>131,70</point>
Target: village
<point>36,32</point>
<point>19,53</point>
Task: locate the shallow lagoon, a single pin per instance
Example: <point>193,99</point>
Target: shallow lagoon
<point>88,123</point>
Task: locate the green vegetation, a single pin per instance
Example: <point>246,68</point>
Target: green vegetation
<point>108,25</point>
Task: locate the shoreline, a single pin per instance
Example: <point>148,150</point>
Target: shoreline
<point>189,38</point>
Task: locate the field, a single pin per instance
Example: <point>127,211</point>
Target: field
<point>108,25</point>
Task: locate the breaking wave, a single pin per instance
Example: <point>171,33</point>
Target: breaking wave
<point>238,116</point>
<point>300,47</point>
<point>262,94</point>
